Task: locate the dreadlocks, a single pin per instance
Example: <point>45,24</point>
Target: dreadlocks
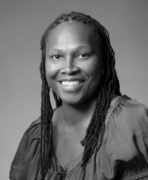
<point>108,89</point>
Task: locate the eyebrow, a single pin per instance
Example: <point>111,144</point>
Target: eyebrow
<point>60,50</point>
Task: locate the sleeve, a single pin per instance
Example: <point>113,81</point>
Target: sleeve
<point>138,125</point>
<point>18,170</point>
<point>130,139</point>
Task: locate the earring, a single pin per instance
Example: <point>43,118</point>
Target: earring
<point>58,98</point>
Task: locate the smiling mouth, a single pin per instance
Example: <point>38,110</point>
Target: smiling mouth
<point>70,83</point>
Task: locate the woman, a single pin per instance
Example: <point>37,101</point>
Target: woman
<point>94,132</point>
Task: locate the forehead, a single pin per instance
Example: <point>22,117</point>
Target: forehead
<point>71,31</point>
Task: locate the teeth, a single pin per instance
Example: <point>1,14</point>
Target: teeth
<point>70,83</point>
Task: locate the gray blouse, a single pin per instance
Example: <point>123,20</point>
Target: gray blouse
<point>122,156</point>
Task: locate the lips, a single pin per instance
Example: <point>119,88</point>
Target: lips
<point>71,84</point>
<point>71,79</point>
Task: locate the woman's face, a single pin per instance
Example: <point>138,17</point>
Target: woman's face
<point>73,62</point>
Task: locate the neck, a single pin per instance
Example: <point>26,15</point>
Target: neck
<point>78,117</point>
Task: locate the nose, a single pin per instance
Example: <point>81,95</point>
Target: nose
<point>69,66</point>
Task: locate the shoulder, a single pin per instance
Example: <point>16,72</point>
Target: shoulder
<point>26,151</point>
<point>130,112</point>
<point>34,129</point>
<point>130,106</point>
<point>32,133</point>
<point>31,136</point>
<point>126,136</point>
<point>127,130</point>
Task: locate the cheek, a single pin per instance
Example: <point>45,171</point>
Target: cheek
<point>50,80</point>
<point>93,69</point>
<point>50,71</point>
<point>95,73</point>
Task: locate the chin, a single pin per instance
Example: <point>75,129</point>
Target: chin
<point>73,101</point>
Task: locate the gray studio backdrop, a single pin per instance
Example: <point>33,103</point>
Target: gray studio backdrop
<point>21,26</point>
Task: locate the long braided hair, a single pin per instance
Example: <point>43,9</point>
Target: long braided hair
<point>109,88</point>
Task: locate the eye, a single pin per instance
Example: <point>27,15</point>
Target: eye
<point>83,55</point>
<point>54,57</point>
